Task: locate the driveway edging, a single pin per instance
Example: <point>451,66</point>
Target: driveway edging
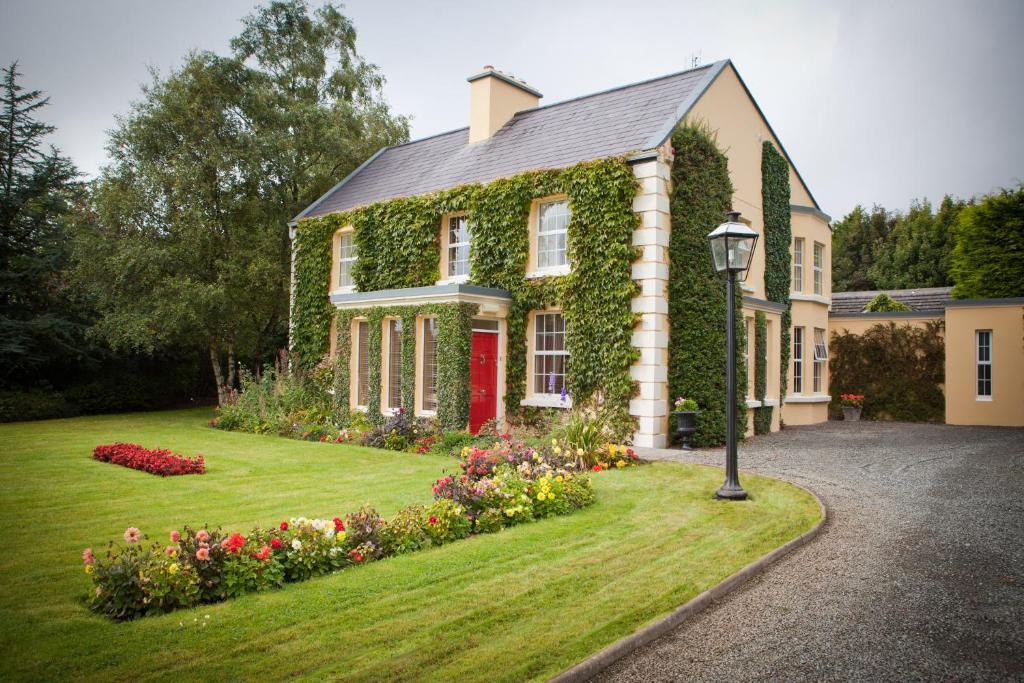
<point>600,661</point>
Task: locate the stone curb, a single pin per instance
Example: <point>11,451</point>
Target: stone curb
<point>597,663</point>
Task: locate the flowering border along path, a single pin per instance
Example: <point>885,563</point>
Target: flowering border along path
<point>159,461</point>
<point>507,484</point>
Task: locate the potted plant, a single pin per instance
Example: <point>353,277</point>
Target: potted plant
<point>852,404</point>
<point>686,413</point>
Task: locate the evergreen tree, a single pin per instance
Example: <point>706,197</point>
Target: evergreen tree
<point>38,323</point>
<point>988,260</point>
<point>856,240</point>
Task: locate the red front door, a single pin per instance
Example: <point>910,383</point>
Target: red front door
<point>483,379</point>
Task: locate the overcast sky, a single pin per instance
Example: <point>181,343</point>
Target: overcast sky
<point>876,102</point>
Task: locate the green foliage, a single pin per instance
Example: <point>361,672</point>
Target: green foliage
<point>445,521</point>
<point>404,533</point>
<point>40,323</point>
<point>778,236</point>
<point>883,303</point>
<point>988,261</point>
<point>701,195</point>
<point>899,370</point>
<point>275,401</point>
<point>763,414</point>
<point>398,247</point>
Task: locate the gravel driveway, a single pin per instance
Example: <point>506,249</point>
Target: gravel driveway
<point>919,574</point>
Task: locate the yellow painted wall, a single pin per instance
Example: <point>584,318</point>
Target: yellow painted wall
<point>1006,407</point>
<point>861,324</point>
<point>492,103</point>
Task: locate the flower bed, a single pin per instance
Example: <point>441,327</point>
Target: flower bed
<point>507,484</point>
<point>155,461</point>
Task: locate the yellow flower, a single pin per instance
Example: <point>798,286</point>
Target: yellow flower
<point>559,478</point>
<point>540,496</point>
<point>173,569</point>
<point>620,463</point>
<point>579,452</point>
<point>558,451</point>
<point>554,442</point>
<point>622,450</point>
<point>611,449</point>
<point>88,569</point>
<point>465,451</point>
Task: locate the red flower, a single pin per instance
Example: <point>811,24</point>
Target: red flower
<point>596,468</point>
<point>263,554</point>
<point>433,519</point>
<point>275,543</point>
<point>234,542</point>
<point>338,524</point>
<point>284,526</point>
<point>156,461</point>
<point>355,555</point>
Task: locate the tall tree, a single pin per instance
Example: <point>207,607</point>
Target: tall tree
<point>37,186</point>
<point>988,260</point>
<point>187,243</point>
<point>917,252</point>
<point>855,243</point>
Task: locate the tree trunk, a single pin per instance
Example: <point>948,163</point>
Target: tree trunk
<point>231,367</point>
<point>218,376</point>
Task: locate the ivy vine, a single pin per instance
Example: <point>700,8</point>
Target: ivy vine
<point>762,415</point>
<point>778,235</point>
<point>701,196</point>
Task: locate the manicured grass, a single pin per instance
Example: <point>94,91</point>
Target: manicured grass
<point>524,603</point>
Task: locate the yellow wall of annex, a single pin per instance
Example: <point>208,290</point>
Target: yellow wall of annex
<point>1006,406</point>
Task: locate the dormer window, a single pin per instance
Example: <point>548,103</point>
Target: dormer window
<point>458,247</point>
<point>552,225</point>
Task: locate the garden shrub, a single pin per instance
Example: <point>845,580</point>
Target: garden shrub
<point>405,533</point>
<point>883,303</point>
<point>446,522</point>
<point>898,368</point>
<point>159,461</point>
<point>363,529</point>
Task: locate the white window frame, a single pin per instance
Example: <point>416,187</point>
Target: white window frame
<point>979,363</point>
<point>819,267</point>
<point>424,364</point>
<point>451,273</point>
<point>361,357</point>
<point>798,360</point>
<point>543,353</point>
<point>553,234</point>
<point>820,358</point>
<point>394,325</point>
<point>798,264</point>
<point>347,260</point>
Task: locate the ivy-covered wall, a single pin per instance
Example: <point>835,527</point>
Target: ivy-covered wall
<point>398,246</point>
<point>762,415</point>
<point>701,196</point>
<point>778,235</point>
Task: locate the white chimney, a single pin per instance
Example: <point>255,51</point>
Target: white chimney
<point>494,97</point>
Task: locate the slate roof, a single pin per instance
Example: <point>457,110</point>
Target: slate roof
<point>924,299</point>
<point>631,118</point>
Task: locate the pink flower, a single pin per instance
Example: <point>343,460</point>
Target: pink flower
<point>175,537</point>
<point>88,557</point>
<point>433,519</point>
<point>170,551</point>
<point>203,554</point>
<point>203,536</point>
<point>224,543</point>
<point>132,534</point>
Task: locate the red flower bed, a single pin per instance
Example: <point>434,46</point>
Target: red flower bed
<point>156,461</point>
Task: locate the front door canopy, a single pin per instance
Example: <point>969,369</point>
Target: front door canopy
<point>491,301</point>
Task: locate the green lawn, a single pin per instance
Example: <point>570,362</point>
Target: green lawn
<point>524,603</point>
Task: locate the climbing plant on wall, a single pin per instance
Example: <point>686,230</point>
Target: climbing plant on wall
<point>763,414</point>
<point>778,235</point>
<point>701,195</point>
<point>398,247</point>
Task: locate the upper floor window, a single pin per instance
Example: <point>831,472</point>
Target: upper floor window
<point>552,224</point>
<point>798,264</point>
<point>458,246</point>
<point>983,358</point>
<point>549,353</point>
<point>819,261</point>
<point>346,259</point>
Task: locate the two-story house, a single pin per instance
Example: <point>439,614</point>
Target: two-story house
<point>513,272</point>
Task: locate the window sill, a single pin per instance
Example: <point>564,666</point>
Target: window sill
<point>983,399</point>
<point>427,413</point>
<point>549,272</point>
<point>808,398</point>
<point>773,402</point>
<point>749,289</point>
<point>753,403</point>
<point>547,401</point>
<point>453,280</point>
<point>344,290</point>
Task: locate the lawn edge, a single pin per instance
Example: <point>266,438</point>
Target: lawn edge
<point>598,662</point>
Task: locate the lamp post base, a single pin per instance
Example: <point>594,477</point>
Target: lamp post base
<point>731,492</point>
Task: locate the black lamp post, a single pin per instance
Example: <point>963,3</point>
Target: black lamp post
<point>732,246</point>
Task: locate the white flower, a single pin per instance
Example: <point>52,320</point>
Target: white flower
<point>318,524</point>
<point>329,531</point>
<point>296,544</point>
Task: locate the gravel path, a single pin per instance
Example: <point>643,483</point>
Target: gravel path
<point>919,574</point>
